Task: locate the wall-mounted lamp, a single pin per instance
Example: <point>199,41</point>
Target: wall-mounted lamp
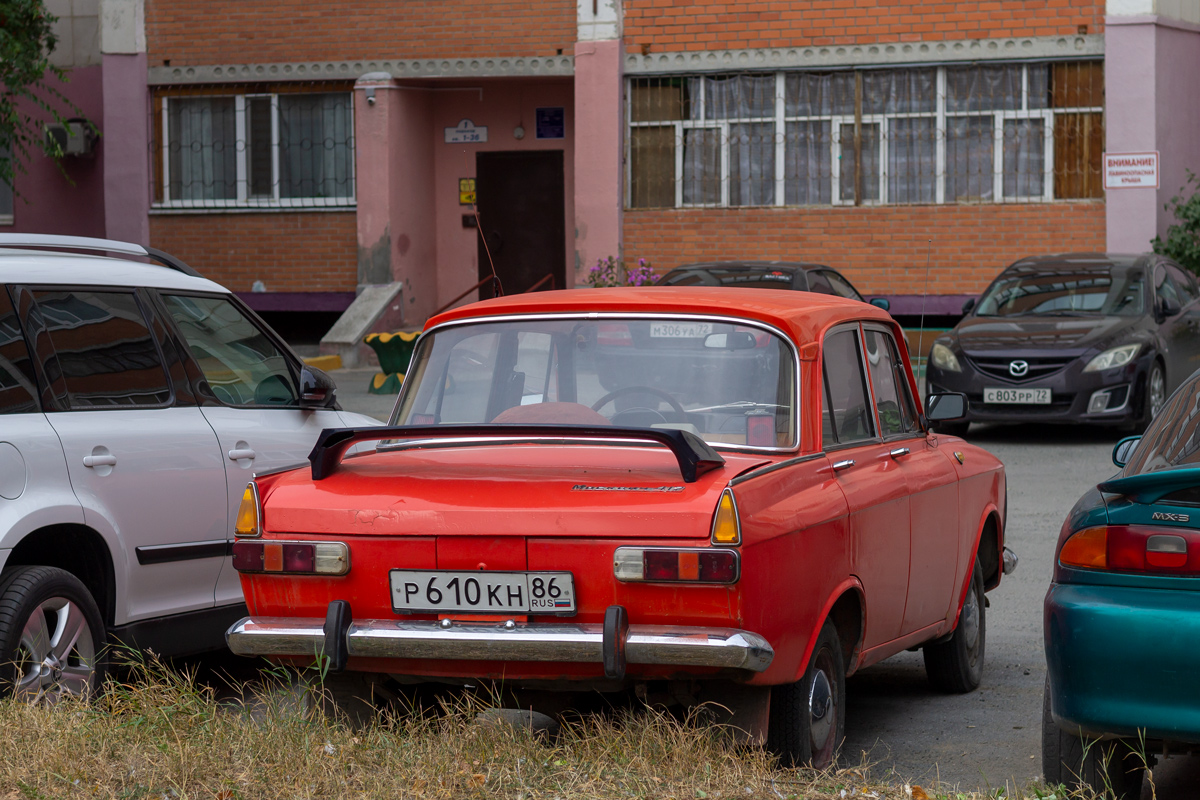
<point>370,92</point>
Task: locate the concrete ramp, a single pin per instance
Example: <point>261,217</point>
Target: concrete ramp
<point>377,308</point>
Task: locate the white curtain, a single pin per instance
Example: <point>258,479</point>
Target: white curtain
<point>970,146</point>
<point>869,145</point>
<point>202,148</point>
<point>316,148</point>
<point>701,166</point>
<point>814,94</point>
<point>751,145</point>
<point>1024,157</point>
<point>808,163</point>
<point>912,160</point>
<point>983,88</point>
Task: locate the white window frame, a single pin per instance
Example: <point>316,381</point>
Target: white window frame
<point>940,114</point>
<point>244,199</point>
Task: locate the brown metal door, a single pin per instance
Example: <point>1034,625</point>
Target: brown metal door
<point>521,209</point>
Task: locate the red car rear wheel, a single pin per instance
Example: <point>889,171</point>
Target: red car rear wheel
<point>808,718</point>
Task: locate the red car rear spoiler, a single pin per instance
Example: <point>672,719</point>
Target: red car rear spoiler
<point>694,455</point>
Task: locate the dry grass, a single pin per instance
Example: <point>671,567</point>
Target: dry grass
<point>161,735</point>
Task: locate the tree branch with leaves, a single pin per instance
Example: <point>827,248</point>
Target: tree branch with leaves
<point>1183,239</point>
<point>26,41</point>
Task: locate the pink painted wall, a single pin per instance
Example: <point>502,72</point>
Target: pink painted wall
<point>48,203</point>
<point>599,171</point>
<point>126,145</point>
<point>1177,64</point>
<point>1152,103</point>
<point>394,179</point>
<point>501,106</point>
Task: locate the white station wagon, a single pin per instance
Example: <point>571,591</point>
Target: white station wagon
<point>137,399</point>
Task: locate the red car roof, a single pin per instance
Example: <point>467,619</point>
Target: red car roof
<point>803,315</point>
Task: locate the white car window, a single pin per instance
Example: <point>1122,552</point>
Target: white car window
<point>242,366</point>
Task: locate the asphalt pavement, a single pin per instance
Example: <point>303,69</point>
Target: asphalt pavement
<point>989,738</point>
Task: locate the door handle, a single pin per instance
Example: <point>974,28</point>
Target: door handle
<point>100,461</point>
<point>838,466</point>
<point>899,451</point>
<point>238,454</point>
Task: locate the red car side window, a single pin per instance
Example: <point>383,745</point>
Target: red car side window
<point>847,416</point>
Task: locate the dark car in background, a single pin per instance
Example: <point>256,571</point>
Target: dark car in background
<point>1097,338</point>
<point>768,275</point>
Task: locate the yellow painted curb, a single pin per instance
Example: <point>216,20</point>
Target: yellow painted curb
<point>324,362</point>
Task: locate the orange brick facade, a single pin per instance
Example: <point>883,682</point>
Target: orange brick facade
<point>288,252</point>
<point>184,32</point>
<point>672,25</point>
<point>882,250</point>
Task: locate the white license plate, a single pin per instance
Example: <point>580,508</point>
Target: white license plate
<point>680,330</point>
<point>1026,396</point>
<point>481,592</point>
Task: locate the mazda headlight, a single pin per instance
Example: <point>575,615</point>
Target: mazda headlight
<point>1116,357</point>
<point>943,357</point>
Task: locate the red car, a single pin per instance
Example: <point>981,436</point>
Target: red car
<point>729,495</point>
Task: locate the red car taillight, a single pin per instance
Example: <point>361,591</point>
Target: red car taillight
<point>1134,548</point>
<point>672,565</point>
<point>296,558</point>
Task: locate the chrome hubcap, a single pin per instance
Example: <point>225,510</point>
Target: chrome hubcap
<point>970,620</point>
<point>821,711</point>
<point>56,655</point>
<point>1158,392</point>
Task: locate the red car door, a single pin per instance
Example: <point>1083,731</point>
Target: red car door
<point>874,484</point>
<point>932,484</point>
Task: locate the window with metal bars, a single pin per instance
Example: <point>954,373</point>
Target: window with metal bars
<point>1028,132</point>
<point>264,150</point>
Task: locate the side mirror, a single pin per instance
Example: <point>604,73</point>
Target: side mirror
<point>1167,308</point>
<point>945,407</point>
<point>317,389</point>
<point>967,306</point>
<point>882,302</point>
<point>1124,450</point>
<point>738,340</point>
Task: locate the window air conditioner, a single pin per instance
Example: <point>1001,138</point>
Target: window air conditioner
<point>76,137</point>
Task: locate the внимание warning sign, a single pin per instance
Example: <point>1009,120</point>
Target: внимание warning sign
<point>1131,170</point>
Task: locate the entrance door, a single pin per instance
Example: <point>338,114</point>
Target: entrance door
<point>521,210</point>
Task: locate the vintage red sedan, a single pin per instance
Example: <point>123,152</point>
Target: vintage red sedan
<point>730,495</point>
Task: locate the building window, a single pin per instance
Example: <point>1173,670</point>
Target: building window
<point>6,193</point>
<point>952,134</point>
<point>266,150</point>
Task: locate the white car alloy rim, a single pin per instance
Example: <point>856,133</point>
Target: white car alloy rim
<point>56,655</point>
<point>1158,392</point>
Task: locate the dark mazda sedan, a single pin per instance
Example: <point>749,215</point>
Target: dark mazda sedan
<point>1081,337</point>
<point>768,275</point>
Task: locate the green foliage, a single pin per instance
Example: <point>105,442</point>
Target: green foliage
<point>26,41</point>
<point>1183,238</point>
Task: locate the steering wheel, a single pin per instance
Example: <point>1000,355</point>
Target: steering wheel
<point>615,393</point>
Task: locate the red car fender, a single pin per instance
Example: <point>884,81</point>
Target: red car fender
<point>850,584</point>
<point>989,510</point>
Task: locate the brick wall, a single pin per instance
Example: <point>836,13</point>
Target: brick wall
<point>670,25</point>
<point>307,252</point>
<point>185,32</point>
<point>881,250</point>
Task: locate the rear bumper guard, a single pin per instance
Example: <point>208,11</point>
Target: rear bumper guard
<point>673,645</point>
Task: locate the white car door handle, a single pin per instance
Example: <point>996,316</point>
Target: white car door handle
<point>841,465</point>
<point>239,454</point>
<point>99,461</point>
<point>898,452</point>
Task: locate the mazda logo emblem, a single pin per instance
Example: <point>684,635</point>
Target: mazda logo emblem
<point>1018,368</point>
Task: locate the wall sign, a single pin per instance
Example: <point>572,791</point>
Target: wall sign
<point>551,123</point>
<point>466,191</point>
<point>1131,170</point>
<point>466,132</point>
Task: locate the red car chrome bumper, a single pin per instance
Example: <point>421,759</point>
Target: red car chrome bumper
<point>673,645</point>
